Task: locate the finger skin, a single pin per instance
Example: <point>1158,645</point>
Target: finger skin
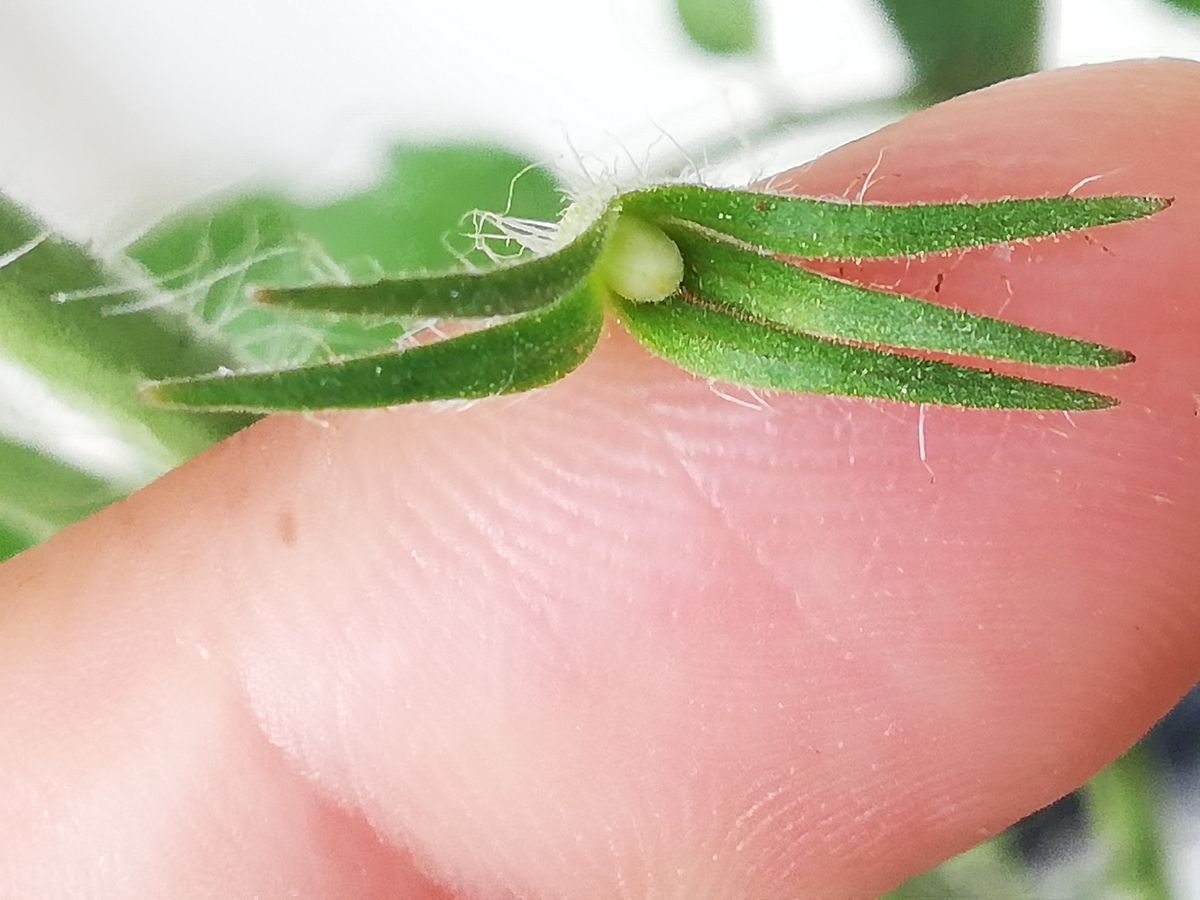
<point>623,637</point>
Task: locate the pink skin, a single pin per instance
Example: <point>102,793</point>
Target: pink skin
<point>625,638</point>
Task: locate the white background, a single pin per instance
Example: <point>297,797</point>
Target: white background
<point>114,112</point>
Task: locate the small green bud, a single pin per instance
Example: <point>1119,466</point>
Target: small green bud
<point>640,262</point>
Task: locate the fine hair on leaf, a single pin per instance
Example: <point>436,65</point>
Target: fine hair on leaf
<point>695,274</point>
<point>526,352</point>
<point>814,228</point>
<point>715,344</point>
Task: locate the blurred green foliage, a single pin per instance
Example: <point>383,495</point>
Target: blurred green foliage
<point>176,304</point>
<point>725,27</point>
<point>41,495</point>
<point>988,872</point>
<point>960,45</point>
<point>94,360</point>
<point>407,220</point>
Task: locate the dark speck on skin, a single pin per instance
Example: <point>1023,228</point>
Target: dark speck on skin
<point>286,526</point>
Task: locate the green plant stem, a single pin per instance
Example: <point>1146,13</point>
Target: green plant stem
<point>1122,807</point>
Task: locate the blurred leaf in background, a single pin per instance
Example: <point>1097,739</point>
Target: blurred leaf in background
<point>1192,6</point>
<point>176,306</point>
<point>206,257</point>
<point>41,495</point>
<point>726,27</point>
<point>960,45</point>
<point>91,360</point>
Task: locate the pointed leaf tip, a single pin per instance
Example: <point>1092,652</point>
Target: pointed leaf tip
<point>771,290</point>
<point>523,353</point>
<point>813,228</point>
<point>714,344</point>
<point>518,287</point>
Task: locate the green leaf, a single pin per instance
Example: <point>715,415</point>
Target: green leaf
<point>92,360</point>
<point>724,27</point>
<point>515,288</point>
<point>39,495</point>
<point>526,352</point>
<point>807,227</point>
<point>1192,6</point>
<point>961,45</point>
<point>206,257</point>
<point>714,344</point>
<point>770,289</point>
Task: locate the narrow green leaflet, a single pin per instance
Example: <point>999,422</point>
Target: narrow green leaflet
<point>776,291</point>
<point>95,330</point>
<point>714,344</point>
<point>206,257</point>
<point>807,227</point>
<point>518,355</point>
<point>724,27</point>
<point>515,288</point>
<point>960,45</point>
